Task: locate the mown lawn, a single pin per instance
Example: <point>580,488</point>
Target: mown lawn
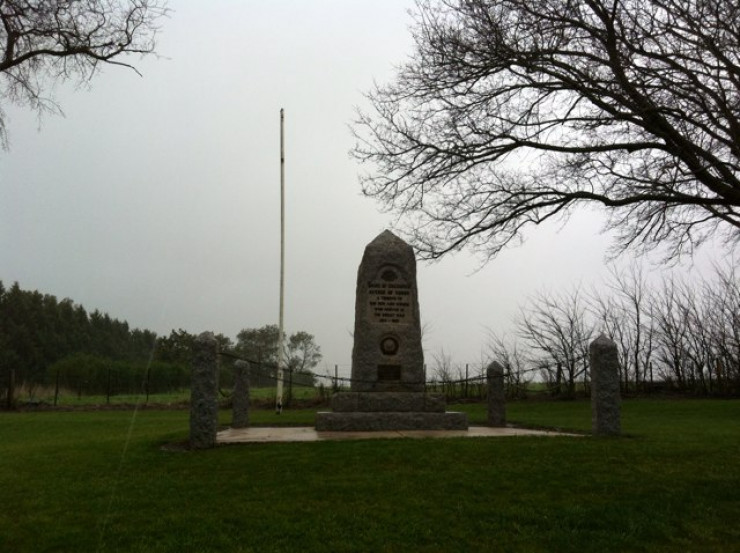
<point>100,481</point>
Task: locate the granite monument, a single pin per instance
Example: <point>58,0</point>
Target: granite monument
<point>387,386</point>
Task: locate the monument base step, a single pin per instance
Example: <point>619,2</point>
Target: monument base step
<point>373,402</point>
<point>353,422</point>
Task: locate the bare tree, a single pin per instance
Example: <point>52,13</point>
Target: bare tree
<point>699,338</point>
<point>672,329</point>
<point>722,318</point>
<point>513,112</point>
<point>442,370</point>
<point>557,327</point>
<point>686,333</point>
<point>508,352</point>
<point>624,315</point>
<point>43,42</point>
<point>688,330</point>
<point>697,330</point>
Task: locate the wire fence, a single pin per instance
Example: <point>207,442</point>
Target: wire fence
<point>456,383</point>
<point>454,389</point>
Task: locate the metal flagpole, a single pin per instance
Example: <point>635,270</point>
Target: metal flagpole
<point>281,332</point>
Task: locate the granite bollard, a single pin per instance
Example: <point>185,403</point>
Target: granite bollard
<point>240,397</point>
<point>204,392</point>
<point>605,399</point>
<point>496,396</point>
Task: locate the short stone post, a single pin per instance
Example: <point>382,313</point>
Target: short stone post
<point>240,397</point>
<point>605,400</point>
<point>204,392</point>
<point>496,397</point>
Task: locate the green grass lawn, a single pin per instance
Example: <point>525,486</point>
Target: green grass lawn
<point>100,481</point>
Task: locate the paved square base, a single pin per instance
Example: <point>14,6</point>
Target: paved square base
<point>352,422</point>
<point>307,434</point>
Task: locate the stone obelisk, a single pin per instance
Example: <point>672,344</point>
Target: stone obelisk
<point>387,388</point>
<point>387,354</point>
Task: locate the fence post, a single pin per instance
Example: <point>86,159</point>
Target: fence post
<point>146,381</point>
<point>240,398</point>
<point>605,399</point>
<point>496,398</point>
<point>204,392</point>
<point>260,378</point>
<point>11,389</point>
<point>289,402</point>
<point>56,388</point>
<point>107,388</point>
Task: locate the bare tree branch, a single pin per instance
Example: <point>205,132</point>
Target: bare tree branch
<point>44,42</point>
<point>514,112</point>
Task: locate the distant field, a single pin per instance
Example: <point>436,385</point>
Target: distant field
<point>68,398</point>
<point>99,481</point>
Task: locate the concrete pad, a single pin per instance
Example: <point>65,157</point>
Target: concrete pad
<point>309,434</point>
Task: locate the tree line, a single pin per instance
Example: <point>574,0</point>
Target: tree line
<point>676,335</point>
<point>57,343</point>
<point>38,331</point>
<point>673,336</point>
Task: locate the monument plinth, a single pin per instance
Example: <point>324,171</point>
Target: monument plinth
<point>387,390</point>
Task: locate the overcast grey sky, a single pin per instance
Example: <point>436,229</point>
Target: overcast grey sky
<point>156,199</point>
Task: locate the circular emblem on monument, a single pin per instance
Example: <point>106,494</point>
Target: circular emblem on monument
<point>389,345</point>
<point>389,275</point>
